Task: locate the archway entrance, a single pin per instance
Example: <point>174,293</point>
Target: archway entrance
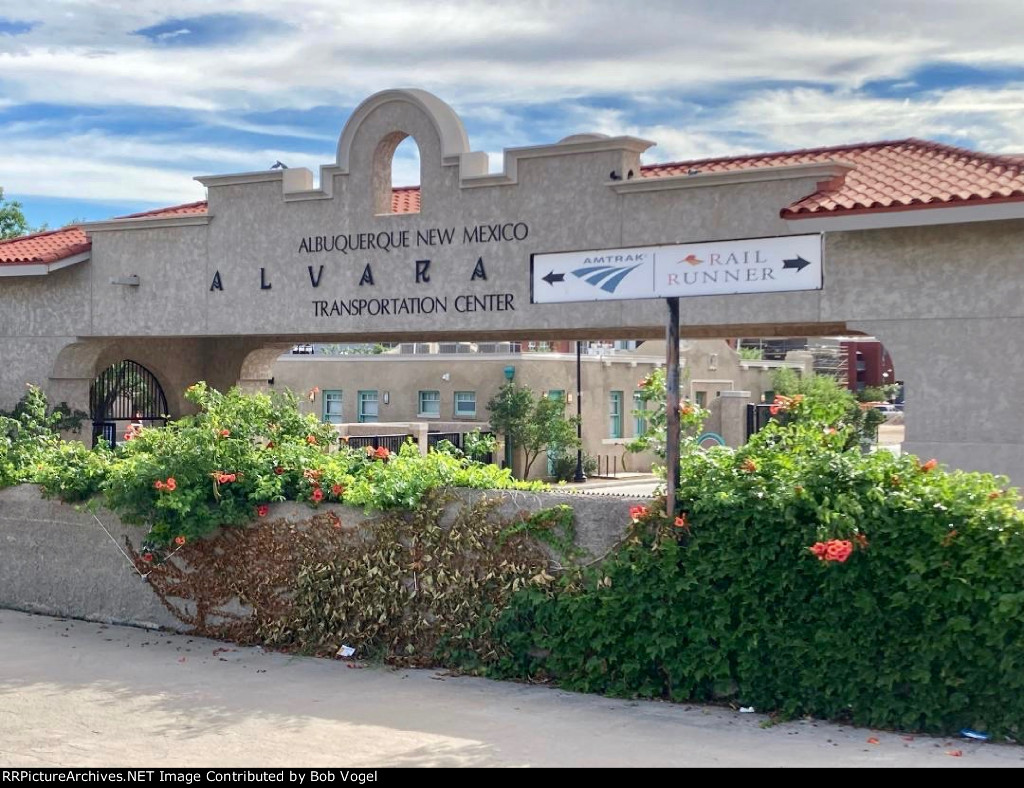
<point>125,393</point>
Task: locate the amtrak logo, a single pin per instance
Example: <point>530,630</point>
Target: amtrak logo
<point>604,271</point>
<point>606,277</point>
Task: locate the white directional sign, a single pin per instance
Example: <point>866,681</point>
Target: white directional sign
<point>755,265</point>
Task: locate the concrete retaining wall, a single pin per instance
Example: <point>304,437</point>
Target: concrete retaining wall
<point>56,559</point>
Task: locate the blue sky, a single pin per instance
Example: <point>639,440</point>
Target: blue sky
<point>108,108</point>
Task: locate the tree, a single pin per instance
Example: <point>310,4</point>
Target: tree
<point>531,424</point>
<point>12,219</point>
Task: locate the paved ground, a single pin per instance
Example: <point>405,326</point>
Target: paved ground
<point>633,485</point>
<point>74,693</point>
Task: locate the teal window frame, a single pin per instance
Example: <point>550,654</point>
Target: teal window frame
<point>463,414</point>
<point>421,400</point>
<point>639,422</point>
<point>615,414</point>
<point>364,398</point>
<point>328,397</point>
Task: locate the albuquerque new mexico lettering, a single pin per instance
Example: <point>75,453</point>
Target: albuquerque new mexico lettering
<point>389,241</point>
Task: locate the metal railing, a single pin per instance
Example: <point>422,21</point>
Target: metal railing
<point>390,442</point>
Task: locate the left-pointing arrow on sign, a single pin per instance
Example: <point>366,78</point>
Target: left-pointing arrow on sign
<point>552,277</point>
<point>798,263</point>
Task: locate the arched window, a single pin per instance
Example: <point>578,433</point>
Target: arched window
<point>396,175</point>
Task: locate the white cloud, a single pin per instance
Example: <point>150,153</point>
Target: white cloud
<point>809,118</point>
<point>717,77</point>
<point>184,31</point>
<point>476,51</point>
<point>96,166</point>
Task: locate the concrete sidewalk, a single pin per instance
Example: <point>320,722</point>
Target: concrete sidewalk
<point>73,693</point>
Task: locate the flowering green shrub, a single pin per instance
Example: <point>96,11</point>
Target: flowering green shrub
<point>400,481</point>
<point>25,434</point>
<point>215,468</point>
<point>825,400</point>
<point>805,578</point>
<point>71,471</point>
<point>241,452</point>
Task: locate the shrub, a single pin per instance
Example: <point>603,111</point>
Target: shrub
<point>916,623</point>
<point>73,472</point>
<point>221,466</point>
<point>479,446</point>
<point>25,435</point>
<point>400,481</point>
<point>826,402</point>
<point>214,468</point>
<point>564,466</point>
<point>416,589</point>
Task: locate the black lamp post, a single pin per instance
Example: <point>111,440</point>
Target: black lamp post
<point>580,476</point>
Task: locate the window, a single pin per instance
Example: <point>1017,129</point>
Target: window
<point>639,422</point>
<point>465,404</point>
<point>430,404</point>
<point>368,406</point>
<point>615,414</point>
<point>332,407</point>
<point>701,398</point>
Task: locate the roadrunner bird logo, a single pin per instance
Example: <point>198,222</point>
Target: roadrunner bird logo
<point>692,259</point>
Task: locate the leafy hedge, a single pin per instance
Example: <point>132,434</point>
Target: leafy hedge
<point>240,452</point>
<point>25,434</point>
<point>802,578</point>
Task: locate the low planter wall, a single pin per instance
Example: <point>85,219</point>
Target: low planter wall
<point>57,559</point>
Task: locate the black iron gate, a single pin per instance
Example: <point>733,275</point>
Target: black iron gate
<point>128,392</point>
<point>757,416</point>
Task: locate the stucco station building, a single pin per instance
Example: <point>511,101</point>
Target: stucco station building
<point>443,388</point>
<point>918,244</point>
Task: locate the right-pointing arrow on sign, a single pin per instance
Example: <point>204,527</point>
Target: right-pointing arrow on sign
<point>798,263</point>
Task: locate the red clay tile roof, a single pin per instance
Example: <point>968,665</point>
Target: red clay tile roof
<point>405,199</point>
<point>48,247</point>
<point>887,176</point>
<point>892,175</point>
<point>175,210</point>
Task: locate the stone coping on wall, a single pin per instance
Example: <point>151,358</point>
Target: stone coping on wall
<point>60,560</point>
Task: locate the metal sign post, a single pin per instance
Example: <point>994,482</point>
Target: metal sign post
<point>672,406</point>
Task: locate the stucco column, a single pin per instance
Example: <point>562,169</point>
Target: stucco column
<point>734,417</point>
<point>964,380</point>
<point>420,430</point>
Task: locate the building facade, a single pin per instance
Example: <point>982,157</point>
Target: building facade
<point>448,386</point>
<point>919,246</point>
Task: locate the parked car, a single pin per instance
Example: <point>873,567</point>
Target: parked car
<point>887,408</point>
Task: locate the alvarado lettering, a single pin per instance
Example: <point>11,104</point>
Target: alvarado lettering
<point>386,240</point>
<point>414,305</point>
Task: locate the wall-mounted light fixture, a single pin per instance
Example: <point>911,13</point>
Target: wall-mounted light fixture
<point>387,397</point>
<point>713,361</point>
<point>127,281</point>
<point>270,381</point>
<point>313,392</point>
<point>510,373</point>
<point>446,376</point>
<point>568,399</point>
